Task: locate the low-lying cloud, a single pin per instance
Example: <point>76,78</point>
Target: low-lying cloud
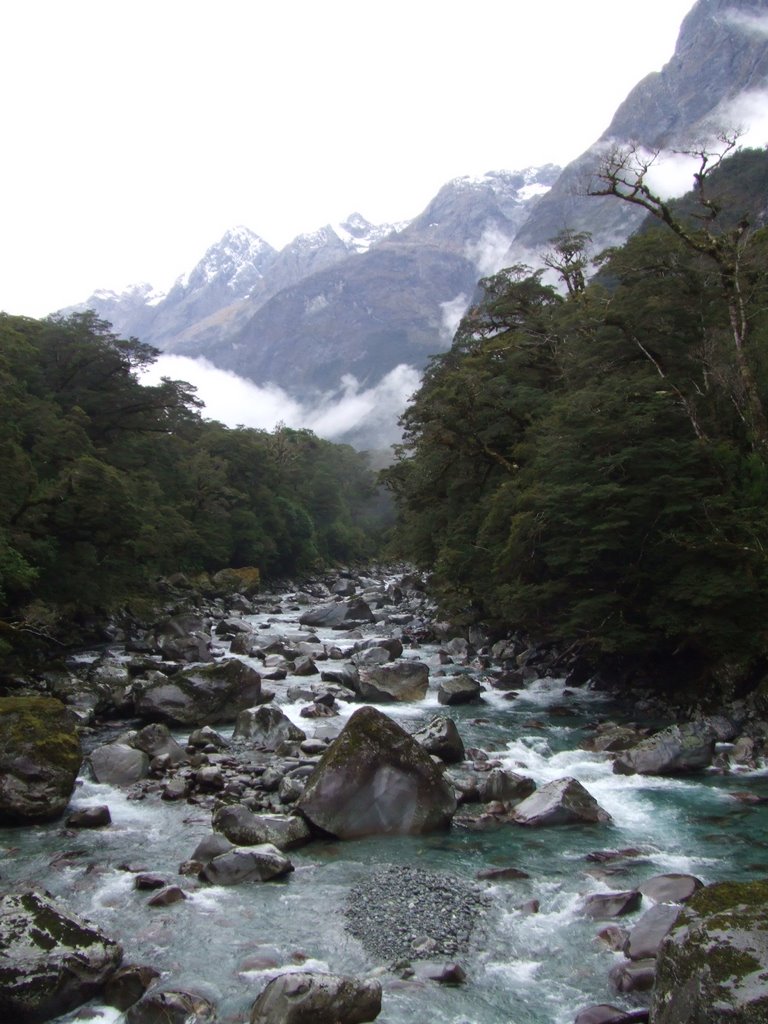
<point>365,417</point>
<point>489,252</point>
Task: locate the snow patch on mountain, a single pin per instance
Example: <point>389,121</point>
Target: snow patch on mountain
<point>237,261</point>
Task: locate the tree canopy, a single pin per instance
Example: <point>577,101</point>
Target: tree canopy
<point>591,468</point>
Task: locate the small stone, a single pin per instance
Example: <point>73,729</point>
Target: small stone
<point>167,896</point>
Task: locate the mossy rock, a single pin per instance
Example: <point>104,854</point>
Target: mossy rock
<point>245,580</point>
<point>40,757</point>
<point>713,965</point>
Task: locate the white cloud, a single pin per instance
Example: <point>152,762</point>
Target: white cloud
<point>368,415</point>
<point>488,252</point>
<point>756,24</point>
<point>452,312</point>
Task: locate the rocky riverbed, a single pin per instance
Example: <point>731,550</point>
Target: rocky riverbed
<point>326,781</point>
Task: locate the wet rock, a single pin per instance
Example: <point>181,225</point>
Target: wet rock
<point>244,828</point>
<point>458,690</point>
<point>649,932</point>
<point>305,666</point>
<point>128,984</point>
<point>266,726</point>
<point>117,764</point>
<point>604,1013</point>
<point>336,614</point>
<point>200,696</point>
<point>183,638</point>
<point>300,997</point>
<point>633,975</point>
<point>670,888</point>
<point>441,738</point>
<point>395,681</point>
<point>211,846</point>
<point>611,904</point>
<point>442,973</point>
<point>146,882</point>
<point>171,1007</point>
<point>375,779</point>
<point>177,788</point>
<point>505,786</point>
<point>676,749</point>
<point>89,817</point>
<point>156,741</point>
<point>615,938</point>
<point>39,759</point>
<point>167,896</point>
<point>51,961</point>
<point>247,864</point>
<point>712,965</point>
<point>529,907</point>
<point>560,802</point>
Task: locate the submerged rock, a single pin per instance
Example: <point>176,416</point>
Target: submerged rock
<point>375,779</point>
<point>303,996</point>
<point>713,965</point>
<point>50,960</point>
<point>171,1007</point>
<point>39,759</point>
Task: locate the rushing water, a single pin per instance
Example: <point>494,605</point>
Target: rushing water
<point>524,968</point>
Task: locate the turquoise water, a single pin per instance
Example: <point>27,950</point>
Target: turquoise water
<point>524,968</point>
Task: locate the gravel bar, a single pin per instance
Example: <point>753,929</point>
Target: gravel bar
<point>409,913</point>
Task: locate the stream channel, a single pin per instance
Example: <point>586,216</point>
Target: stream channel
<point>522,968</point>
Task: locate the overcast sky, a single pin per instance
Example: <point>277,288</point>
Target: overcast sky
<point>135,133</point>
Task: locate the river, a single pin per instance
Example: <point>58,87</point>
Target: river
<point>523,968</point>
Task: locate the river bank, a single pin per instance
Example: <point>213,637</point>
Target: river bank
<point>527,953</point>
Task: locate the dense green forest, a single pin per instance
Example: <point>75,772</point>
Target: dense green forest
<point>108,483</point>
<point>591,467</point>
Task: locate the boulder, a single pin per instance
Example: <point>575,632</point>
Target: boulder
<point>183,638</point>
<point>303,996</point>
<point>602,905</point>
<point>509,787</point>
<point>712,965</point>
<point>604,1013</point>
<point>156,741</point>
<point>441,738</point>
<point>247,864</point>
<point>395,681</point>
<point>39,759</point>
<point>266,726</point>
<point>244,828</point>
<point>128,984</point>
<point>560,802</point>
<point>171,1007</point>
<point>460,689</point>
<point>634,975</point>
<point>676,749</point>
<point>199,696</point>
<point>376,779</point>
<point>50,960</point>
<point>650,931</point>
<point>671,888</point>
<point>117,764</point>
<point>89,817</point>
<point>336,614</point>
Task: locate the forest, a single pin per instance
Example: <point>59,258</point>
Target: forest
<point>588,464</point>
<point>109,484</point>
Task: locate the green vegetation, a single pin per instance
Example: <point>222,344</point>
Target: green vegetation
<point>592,468</point>
<point>108,484</point>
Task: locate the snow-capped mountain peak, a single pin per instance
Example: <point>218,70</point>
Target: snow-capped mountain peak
<point>235,262</point>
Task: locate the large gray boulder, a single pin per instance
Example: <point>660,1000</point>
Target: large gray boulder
<point>39,759</point>
<point>395,681</point>
<point>200,696</point>
<point>244,828</point>
<point>156,741</point>
<point>247,864</point>
<point>441,738</point>
<point>266,726</point>
<point>118,764</point>
<point>649,932</point>
<point>183,638</point>
<point>460,689</point>
<point>171,1007</point>
<point>50,960</point>
<point>336,614</point>
<point>678,748</point>
<point>375,779</point>
<point>302,997</point>
<point>560,802</point>
<point>712,968</point>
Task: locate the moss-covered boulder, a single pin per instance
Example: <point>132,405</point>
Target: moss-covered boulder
<point>200,696</point>
<point>50,961</point>
<point>672,751</point>
<point>39,759</point>
<point>713,965</point>
<point>375,779</point>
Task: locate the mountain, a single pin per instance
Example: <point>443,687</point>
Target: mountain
<point>721,56</point>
